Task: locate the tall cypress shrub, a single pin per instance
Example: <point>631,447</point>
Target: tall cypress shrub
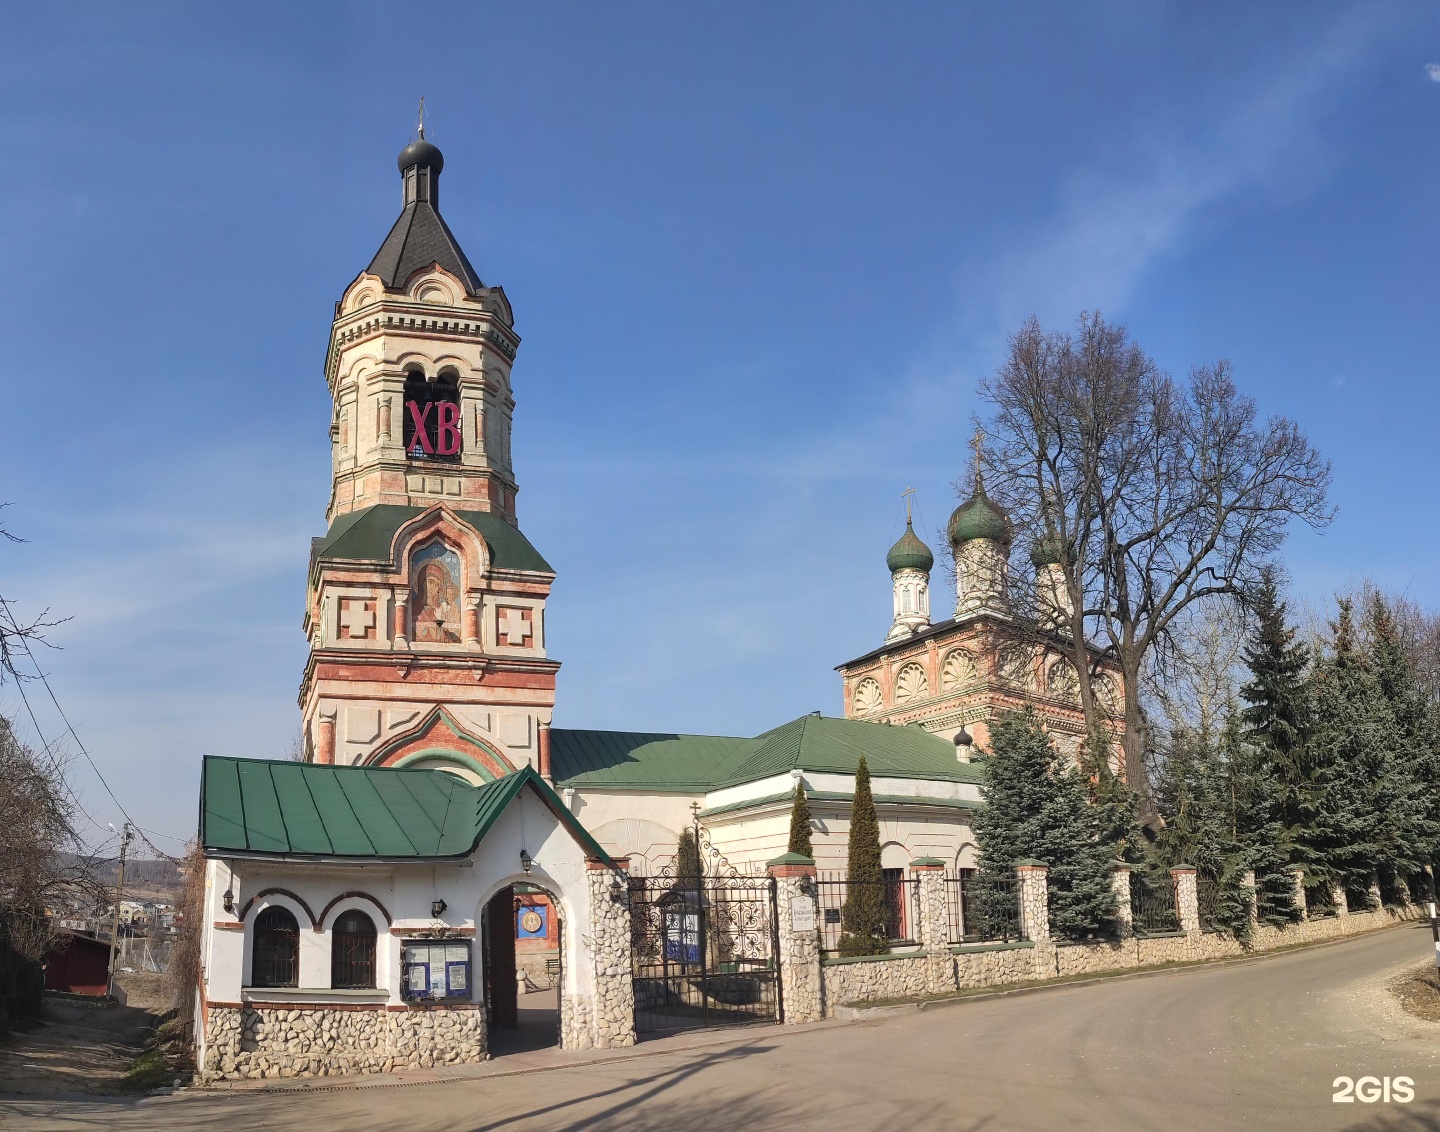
<point>1037,804</point>
<point>800,824</point>
<point>862,916</point>
<point>687,859</point>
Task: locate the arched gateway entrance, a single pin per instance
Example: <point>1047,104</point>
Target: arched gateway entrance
<point>523,982</point>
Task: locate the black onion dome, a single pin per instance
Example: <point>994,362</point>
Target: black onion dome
<point>421,153</point>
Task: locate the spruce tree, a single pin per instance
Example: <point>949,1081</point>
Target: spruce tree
<point>862,916</point>
<point>800,824</point>
<point>688,868</point>
<point>1365,814</point>
<point>1037,804</point>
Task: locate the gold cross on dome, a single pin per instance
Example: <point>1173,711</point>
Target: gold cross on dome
<point>977,446</point>
<point>421,126</point>
<point>908,494</point>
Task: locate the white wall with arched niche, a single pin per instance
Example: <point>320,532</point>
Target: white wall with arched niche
<point>868,697</point>
<point>911,684</point>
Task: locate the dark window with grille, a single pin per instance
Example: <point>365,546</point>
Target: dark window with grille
<point>276,952</point>
<point>352,951</point>
<point>436,403</point>
<point>896,926</point>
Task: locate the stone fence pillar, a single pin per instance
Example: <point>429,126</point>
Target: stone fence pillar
<point>1298,873</point>
<point>1252,899</point>
<point>611,1016</point>
<point>1124,915</point>
<point>1376,900</point>
<point>929,874</point>
<point>1034,899</point>
<point>1187,898</point>
<point>1338,898</point>
<point>797,905</point>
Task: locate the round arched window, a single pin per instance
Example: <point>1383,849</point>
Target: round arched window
<point>352,951</point>
<point>275,955</point>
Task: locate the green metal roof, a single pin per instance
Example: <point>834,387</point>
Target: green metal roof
<point>267,808</point>
<point>843,796</point>
<point>366,536</point>
<point>619,760</point>
<point>821,744</point>
<point>639,760</point>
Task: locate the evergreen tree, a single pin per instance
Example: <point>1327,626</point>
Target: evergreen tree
<point>1037,805</point>
<point>1366,813</point>
<point>862,916</point>
<point>688,868</point>
<point>1277,713</point>
<point>1419,746</point>
<point>800,824</point>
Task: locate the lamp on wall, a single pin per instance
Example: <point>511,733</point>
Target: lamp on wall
<point>619,894</point>
<point>228,901</point>
<point>525,861</point>
<point>437,908</point>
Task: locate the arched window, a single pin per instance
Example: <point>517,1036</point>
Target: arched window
<point>352,951</point>
<point>275,955</point>
<point>437,404</point>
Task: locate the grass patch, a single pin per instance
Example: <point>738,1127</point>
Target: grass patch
<point>165,1058</point>
<point>1418,992</point>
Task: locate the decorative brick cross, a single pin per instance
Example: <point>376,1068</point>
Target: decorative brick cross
<point>356,618</point>
<point>514,626</point>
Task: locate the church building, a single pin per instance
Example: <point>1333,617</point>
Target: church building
<point>375,905</point>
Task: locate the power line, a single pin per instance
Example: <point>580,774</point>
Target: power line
<point>70,728</point>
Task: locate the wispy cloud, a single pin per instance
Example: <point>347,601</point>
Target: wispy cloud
<point>1433,71</point>
<point>1150,198</point>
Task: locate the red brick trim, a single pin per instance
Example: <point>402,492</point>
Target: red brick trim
<point>319,924</point>
<point>244,912</point>
<point>229,926</point>
<point>792,870</point>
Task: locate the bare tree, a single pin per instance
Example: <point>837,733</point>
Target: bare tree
<point>1159,495</point>
<point>17,636</point>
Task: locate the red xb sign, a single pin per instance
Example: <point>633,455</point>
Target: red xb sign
<point>446,428</point>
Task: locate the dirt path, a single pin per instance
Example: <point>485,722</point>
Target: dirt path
<point>82,1047</point>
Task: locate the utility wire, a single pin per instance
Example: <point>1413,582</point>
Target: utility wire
<point>70,728</point>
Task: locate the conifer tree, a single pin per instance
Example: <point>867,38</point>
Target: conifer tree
<point>1277,713</point>
<point>1365,818</point>
<point>1037,804</point>
<point>688,868</point>
<point>1418,755</point>
<point>800,824</point>
<point>862,916</point>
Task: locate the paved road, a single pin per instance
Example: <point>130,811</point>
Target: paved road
<point>1251,1046</point>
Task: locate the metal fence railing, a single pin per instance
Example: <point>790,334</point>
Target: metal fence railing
<point>899,897</point>
<point>1152,905</point>
<point>1319,901</point>
<point>1207,900</point>
<point>981,908</point>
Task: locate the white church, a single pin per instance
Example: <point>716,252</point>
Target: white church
<point>376,905</point>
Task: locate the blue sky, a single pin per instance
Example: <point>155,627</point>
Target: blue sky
<point>759,256</point>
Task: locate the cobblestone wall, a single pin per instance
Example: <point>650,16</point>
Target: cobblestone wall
<point>799,950</point>
<point>611,1014</point>
<point>867,980</point>
<point>324,1041</point>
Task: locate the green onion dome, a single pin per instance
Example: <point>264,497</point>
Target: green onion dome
<point>978,517</point>
<point>1046,552</point>
<point>909,553</point>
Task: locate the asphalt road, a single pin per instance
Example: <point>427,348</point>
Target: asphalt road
<point>1255,1046</point>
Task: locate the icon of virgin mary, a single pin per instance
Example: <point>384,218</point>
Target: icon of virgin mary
<point>437,605</point>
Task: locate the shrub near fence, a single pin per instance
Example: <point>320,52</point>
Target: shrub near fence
<point>902,908</point>
<point>981,908</point>
<point>1207,903</point>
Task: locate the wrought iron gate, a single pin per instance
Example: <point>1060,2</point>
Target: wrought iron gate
<point>704,951</point>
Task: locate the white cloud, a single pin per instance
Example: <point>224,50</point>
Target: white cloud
<point>1433,71</point>
<point>1147,200</point>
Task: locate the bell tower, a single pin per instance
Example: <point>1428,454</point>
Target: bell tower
<point>419,367</point>
<point>426,604</point>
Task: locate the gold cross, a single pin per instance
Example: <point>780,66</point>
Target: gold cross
<point>907,495</point>
<point>421,127</point>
